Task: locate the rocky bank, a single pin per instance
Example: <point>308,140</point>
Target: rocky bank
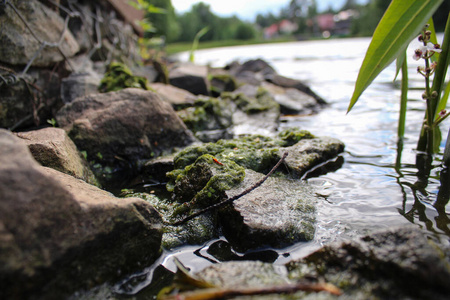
<point>205,135</point>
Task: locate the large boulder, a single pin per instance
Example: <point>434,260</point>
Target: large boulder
<point>52,148</point>
<point>58,233</point>
<point>119,129</point>
<point>20,45</point>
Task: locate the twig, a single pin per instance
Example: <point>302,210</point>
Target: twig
<point>217,293</point>
<point>229,200</point>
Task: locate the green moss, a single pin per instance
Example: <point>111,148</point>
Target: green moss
<point>118,76</point>
<point>291,136</point>
<point>207,114</point>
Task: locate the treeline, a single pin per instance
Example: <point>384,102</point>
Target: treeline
<point>183,27</point>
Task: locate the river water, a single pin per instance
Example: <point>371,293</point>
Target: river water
<point>368,192</point>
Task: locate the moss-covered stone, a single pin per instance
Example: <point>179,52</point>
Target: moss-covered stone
<point>292,136</point>
<point>251,105</point>
<point>222,83</point>
<point>208,114</point>
<point>118,76</point>
<point>256,152</point>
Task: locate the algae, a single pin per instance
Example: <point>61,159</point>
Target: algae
<point>118,76</point>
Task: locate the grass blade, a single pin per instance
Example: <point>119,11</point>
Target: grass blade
<point>401,22</point>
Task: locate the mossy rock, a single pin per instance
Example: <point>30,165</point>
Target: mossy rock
<point>252,105</point>
<point>256,152</point>
<point>208,114</point>
<point>222,83</point>
<point>118,76</point>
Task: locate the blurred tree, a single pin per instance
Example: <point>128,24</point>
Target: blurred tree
<point>165,24</point>
<point>266,20</point>
<point>245,31</point>
<point>370,15</point>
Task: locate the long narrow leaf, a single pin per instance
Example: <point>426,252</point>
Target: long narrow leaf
<point>442,66</point>
<point>444,98</point>
<point>401,22</point>
<point>403,100</point>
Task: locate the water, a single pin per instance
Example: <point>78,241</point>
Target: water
<point>368,192</point>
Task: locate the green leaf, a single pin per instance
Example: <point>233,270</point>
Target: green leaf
<point>399,63</point>
<point>197,37</point>
<point>403,99</point>
<point>401,22</point>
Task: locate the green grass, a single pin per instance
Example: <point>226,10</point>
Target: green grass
<point>181,47</point>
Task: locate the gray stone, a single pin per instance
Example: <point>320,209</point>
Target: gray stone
<point>131,124</point>
<point>79,85</point>
<point>293,83</point>
<point>397,263</point>
<point>177,97</point>
<point>59,234</point>
<point>52,148</point>
<point>279,213</point>
<point>190,77</point>
<point>292,101</point>
<point>308,153</point>
<point>19,46</point>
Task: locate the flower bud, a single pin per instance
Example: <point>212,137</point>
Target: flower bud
<point>434,95</point>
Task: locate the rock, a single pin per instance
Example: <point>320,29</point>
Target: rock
<point>177,97</point>
<point>190,77</point>
<point>59,234</point>
<point>19,45</point>
<point>253,66</point>
<point>243,274</point>
<point>206,174</point>
<point>277,214</point>
<point>257,112</point>
<point>119,129</point>
<point>22,105</point>
<point>79,85</point>
<point>308,153</point>
<point>209,118</point>
<point>397,263</point>
<point>222,83</point>
<point>293,83</point>
<point>291,101</point>
<point>52,148</point>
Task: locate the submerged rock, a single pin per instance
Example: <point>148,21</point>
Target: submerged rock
<point>59,234</point>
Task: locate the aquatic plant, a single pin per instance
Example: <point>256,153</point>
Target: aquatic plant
<point>402,21</point>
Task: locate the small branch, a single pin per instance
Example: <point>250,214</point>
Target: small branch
<point>230,200</point>
<point>217,293</point>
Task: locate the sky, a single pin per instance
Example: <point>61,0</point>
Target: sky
<point>248,9</point>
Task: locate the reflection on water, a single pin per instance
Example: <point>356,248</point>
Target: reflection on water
<point>375,184</point>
